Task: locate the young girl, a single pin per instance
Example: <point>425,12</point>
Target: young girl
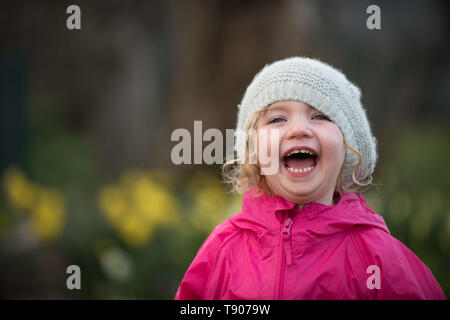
<point>304,232</point>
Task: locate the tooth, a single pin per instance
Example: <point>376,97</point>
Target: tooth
<point>293,152</point>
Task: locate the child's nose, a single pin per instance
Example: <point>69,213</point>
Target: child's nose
<point>299,128</point>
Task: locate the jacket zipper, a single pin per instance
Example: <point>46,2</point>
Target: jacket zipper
<point>285,255</point>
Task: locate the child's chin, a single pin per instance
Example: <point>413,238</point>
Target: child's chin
<point>296,187</point>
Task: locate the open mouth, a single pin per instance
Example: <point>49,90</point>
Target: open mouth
<point>300,160</point>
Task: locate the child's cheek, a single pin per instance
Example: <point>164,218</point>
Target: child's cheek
<point>335,148</point>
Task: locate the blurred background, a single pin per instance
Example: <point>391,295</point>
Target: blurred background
<point>86,119</point>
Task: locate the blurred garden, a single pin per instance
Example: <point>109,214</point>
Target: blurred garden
<point>86,116</point>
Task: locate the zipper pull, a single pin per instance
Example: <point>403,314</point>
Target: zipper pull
<point>286,234</point>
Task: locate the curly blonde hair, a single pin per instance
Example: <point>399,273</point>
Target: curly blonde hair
<point>242,174</point>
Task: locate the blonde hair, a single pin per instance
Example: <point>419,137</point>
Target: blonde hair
<point>242,174</point>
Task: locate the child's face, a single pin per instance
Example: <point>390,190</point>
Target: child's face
<point>301,126</point>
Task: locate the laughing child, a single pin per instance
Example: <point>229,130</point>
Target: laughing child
<point>304,232</point>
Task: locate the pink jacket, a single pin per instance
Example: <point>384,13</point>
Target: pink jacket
<point>272,250</point>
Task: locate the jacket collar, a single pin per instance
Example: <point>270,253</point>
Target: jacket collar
<point>265,213</point>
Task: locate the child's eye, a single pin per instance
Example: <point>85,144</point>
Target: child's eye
<point>322,116</point>
<point>276,120</point>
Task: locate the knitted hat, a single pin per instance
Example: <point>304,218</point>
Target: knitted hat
<point>323,88</point>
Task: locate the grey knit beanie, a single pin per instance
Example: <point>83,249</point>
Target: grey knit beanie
<point>323,88</point>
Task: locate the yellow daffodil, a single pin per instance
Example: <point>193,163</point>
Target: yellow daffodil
<point>137,206</point>
<point>48,215</point>
<point>19,190</point>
